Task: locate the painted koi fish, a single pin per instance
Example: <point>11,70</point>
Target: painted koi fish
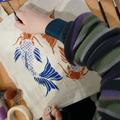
<point>29,53</point>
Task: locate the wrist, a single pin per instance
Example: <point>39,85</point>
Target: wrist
<point>55,28</point>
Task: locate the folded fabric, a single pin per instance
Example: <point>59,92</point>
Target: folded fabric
<point>72,35</point>
<point>104,47</point>
<point>106,62</point>
<point>109,109</point>
<point>87,43</point>
<point>112,86</point>
<point>79,23</point>
<point>113,73</point>
<point>108,105</point>
<point>89,25</point>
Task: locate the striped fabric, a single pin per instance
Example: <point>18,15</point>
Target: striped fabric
<point>99,51</point>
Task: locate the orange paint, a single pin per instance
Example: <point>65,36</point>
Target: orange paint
<point>63,58</point>
<point>52,14</point>
<point>73,74</point>
<point>51,40</point>
<point>26,36</point>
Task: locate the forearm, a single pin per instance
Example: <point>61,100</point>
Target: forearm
<point>61,29</point>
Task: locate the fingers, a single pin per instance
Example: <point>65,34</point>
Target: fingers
<point>55,112</point>
<point>58,115</point>
<point>47,111</point>
<point>46,117</point>
<point>51,112</point>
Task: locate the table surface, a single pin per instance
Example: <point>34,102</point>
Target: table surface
<point>5,80</point>
<point>109,9</point>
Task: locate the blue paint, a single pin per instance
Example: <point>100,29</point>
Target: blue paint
<point>28,54</point>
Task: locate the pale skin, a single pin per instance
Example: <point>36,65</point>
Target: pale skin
<point>54,111</point>
<point>36,22</point>
<point>33,21</point>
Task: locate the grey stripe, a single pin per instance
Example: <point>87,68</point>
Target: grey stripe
<point>93,41</point>
<point>110,113</point>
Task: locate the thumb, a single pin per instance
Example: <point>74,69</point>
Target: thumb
<point>20,26</point>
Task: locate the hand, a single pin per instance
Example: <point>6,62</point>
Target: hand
<point>32,21</point>
<point>51,113</point>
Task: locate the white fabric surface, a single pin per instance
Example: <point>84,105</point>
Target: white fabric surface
<point>35,94</point>
<point>3,14</point>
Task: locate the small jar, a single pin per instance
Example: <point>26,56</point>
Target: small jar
<point>13,97</point>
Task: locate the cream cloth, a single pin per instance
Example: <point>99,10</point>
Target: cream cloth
<point>39,68</point>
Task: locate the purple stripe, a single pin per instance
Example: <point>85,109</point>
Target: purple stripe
<point>78,22</point>
<point>113,99</point>
<point>109,93</point>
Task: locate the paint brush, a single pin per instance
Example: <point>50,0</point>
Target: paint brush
<point>17,18</point>
<point>103,12</point>
<point>116,9</point>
